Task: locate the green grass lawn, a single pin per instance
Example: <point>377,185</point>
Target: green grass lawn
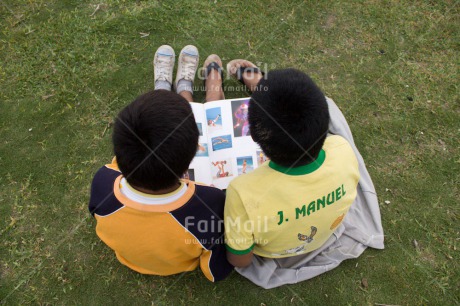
<point>67,68</point>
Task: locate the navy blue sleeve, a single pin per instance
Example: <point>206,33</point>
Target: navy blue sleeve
<point>203,216</point>
<point>218,263</point>
<point>102,200</point>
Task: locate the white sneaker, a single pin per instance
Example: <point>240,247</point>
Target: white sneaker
<point>188,64</point>
<point>163,63</point>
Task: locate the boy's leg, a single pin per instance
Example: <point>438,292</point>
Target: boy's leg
<point>187,95</point>
<point>213,83</point>
<point>186,70</point>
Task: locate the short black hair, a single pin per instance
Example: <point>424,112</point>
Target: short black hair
<point>155,138</point>
<point>288,117</point>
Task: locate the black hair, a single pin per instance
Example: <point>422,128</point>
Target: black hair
<point>155,138</point>
<point>288,117</point>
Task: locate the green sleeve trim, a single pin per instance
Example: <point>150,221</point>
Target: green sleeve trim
<point>301,170</point>
<point>239,252</point>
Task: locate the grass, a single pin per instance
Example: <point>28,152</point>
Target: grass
<point>67,69</point>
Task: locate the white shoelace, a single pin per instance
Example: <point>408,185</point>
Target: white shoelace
<point>189,67</point>
<point>164,67</point>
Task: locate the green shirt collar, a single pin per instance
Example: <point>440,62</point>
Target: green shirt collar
<point>301,170</point>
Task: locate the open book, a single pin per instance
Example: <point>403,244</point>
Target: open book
<point>225,148</point>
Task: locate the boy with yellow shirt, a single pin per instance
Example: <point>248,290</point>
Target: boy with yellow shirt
<point>306,210</point>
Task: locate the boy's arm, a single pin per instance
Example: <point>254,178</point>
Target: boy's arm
<point>205,222</point>
<point>239,261</point>
<point>213,262</point>
<point>102,200</point>
<point>239,241</point>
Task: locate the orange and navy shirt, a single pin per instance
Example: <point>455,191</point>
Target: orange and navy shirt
<point>165,238</point>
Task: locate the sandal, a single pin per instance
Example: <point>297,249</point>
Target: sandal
<point>212,62</point>
<point>240,71</point>
<point>236,70</point>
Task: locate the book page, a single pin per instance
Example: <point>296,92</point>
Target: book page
<point>232,151</point>
<point>199,167</point>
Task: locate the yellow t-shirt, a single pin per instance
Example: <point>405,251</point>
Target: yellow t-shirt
<point>281,212</point>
